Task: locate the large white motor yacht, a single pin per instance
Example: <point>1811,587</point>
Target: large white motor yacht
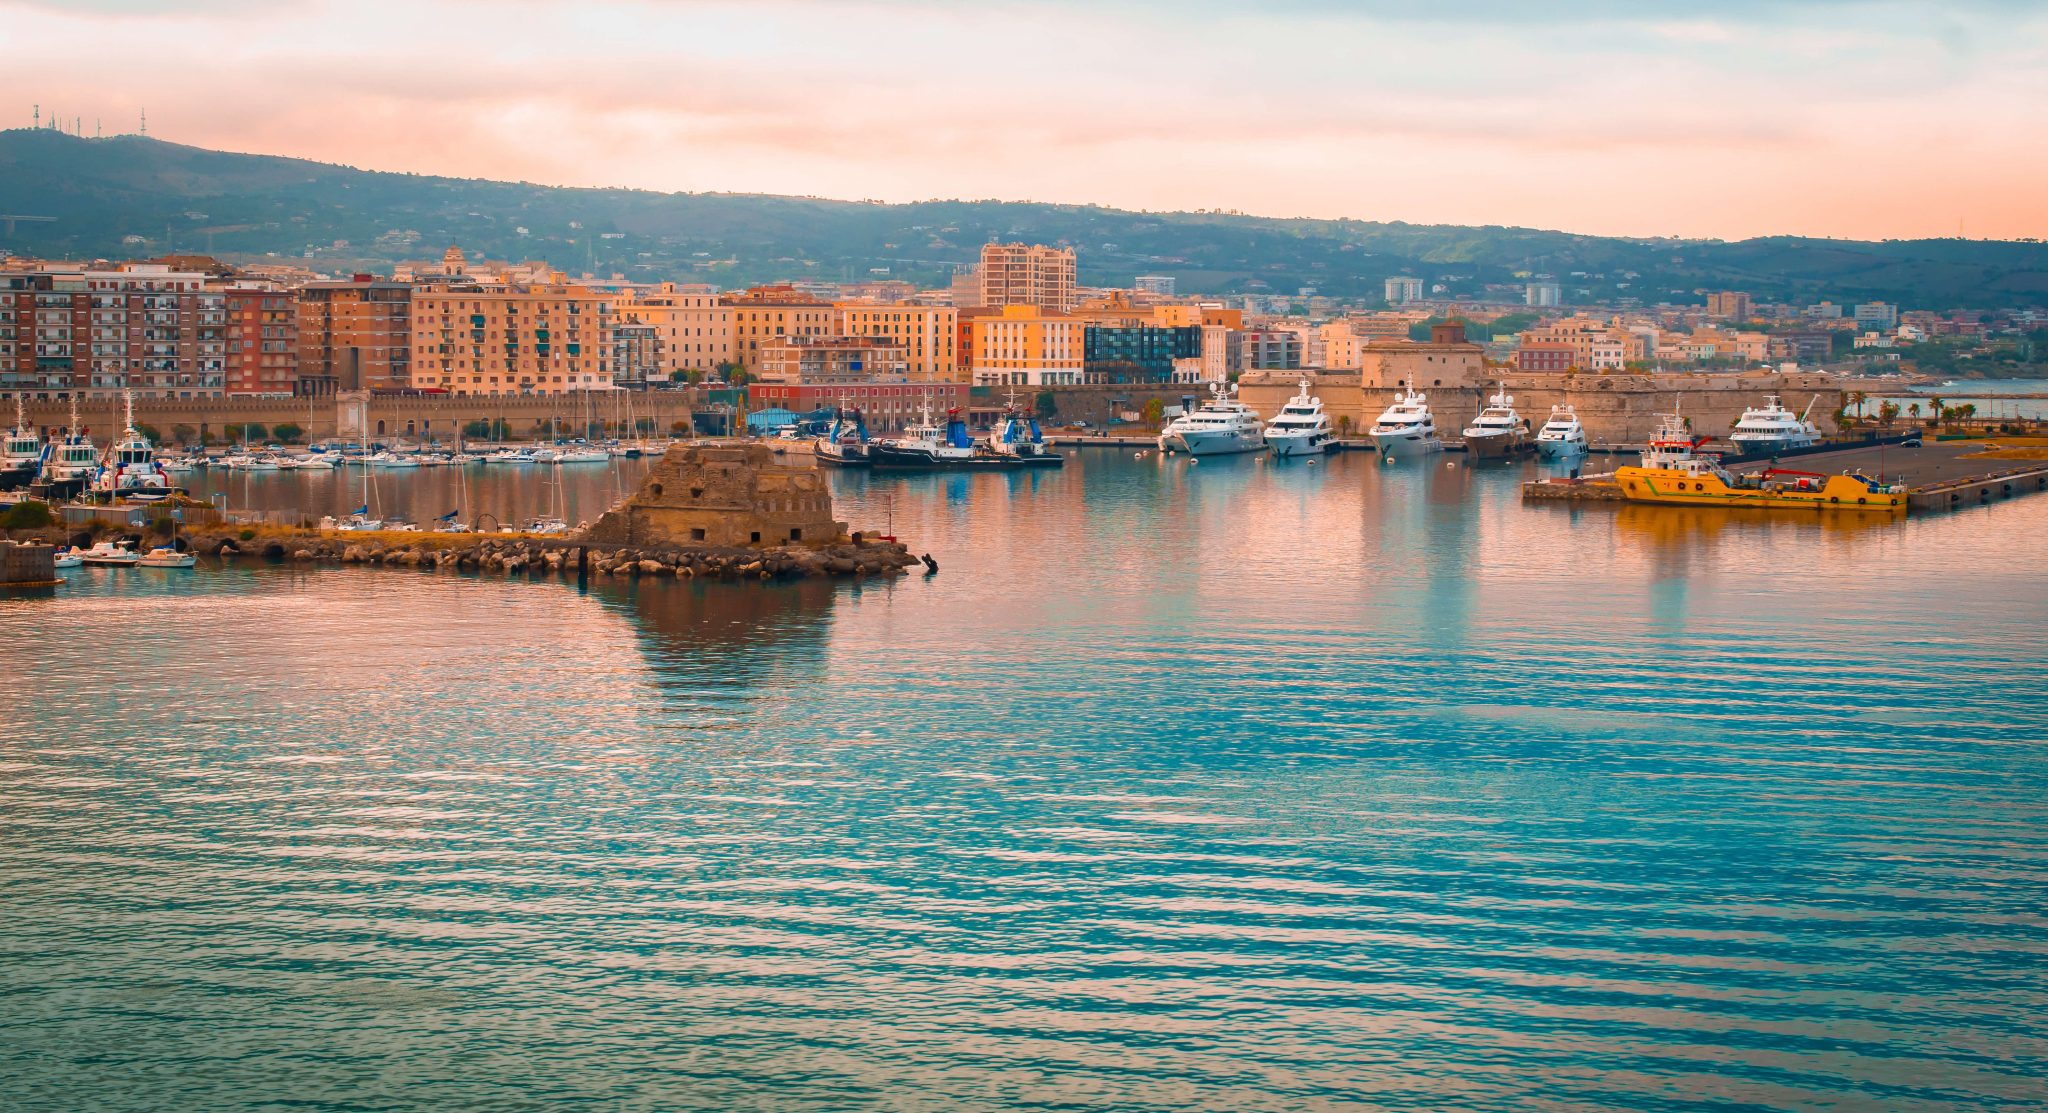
<point>1301,428</point>
<point>1498,431</point>
<point>1562,435</point>
<point>1407,428</point>
<point>1773,428</point>
<point>1222,425</point>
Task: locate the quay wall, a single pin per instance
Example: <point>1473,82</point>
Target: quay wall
<point>415,416</point>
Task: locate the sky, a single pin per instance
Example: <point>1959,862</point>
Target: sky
<point>1848,118</point>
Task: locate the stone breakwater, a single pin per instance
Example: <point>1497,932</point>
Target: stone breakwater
<point>510,555</point>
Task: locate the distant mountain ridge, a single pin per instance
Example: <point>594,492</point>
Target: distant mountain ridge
<point>129,196</point>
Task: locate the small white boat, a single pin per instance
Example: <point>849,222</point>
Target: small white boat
<point>510,456</point>
<point>354,523</point>
<point>69,558</point>
<point>584,456</point>
<point>546,456</point>
<point>313,463</point>
<point>164,556</point>
<point>1301,428</point>
<point>393,460</point>
<point>113,554</point>
<point>1562,435</point>
<point>545,526</point>
<point>1406,428</point>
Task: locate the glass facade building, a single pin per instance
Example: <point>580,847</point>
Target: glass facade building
<point>1137,353</point>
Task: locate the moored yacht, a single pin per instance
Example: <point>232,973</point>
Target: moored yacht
<point>1221,426</point>
<point>21,452</point>
<point>1562,435</point>
<point>1406,428</point>
<point>1773,428</point>
<point>1301,428</point>
<point>1498,431</point>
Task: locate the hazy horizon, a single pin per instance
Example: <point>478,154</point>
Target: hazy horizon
<point>1844,119</point>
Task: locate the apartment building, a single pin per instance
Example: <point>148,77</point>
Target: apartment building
<point>693,325</point>
<point>1028,274</point>
<point>354,335</point>
<point>928,334</point>
<point>491,339</point>
<point>833,359</point>
<point>1022,345</point>
<point>764,314</point>
<point>262,342</point>
<point>145,328</point>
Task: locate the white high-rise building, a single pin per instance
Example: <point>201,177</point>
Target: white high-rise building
<point>1543,294</point>
<point>1158,284</point>
<point>1401,290</point>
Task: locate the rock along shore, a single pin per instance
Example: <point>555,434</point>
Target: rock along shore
<point>514,553</point>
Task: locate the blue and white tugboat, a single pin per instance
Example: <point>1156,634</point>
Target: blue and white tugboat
<point>844,443</point>
<point>131,470</point>
<point>1017,438</point>
<point>22,452</point>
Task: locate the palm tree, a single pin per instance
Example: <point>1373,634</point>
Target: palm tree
<point>1857,398</point>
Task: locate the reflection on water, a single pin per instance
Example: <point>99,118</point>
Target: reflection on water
<point>1230,785</point>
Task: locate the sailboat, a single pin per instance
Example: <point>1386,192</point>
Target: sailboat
<point>168,555</point>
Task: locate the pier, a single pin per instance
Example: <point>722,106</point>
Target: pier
<point>1942,475</point>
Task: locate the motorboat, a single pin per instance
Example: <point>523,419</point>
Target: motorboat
<point>1498,431</point>
<point>546,456</point>
<point>1221,426</point>
<point>1674,472</point>
<point>1017,437</point>
<point>68,557</point>
<point>1771,428</point>
<point>844,444</point>
<point>163,556</point>
<point>256,462</point>
<point>584,456</point>
<point>1406,428</point>
<point>1562,435</point>
<point>1301,428</point>
<point>112,554</point>
<point>22,452</point>
<point>312,463</point>
<point>546,527</point>
<point>510,456</point>
<point>358,522</point>
<point>393,460</point>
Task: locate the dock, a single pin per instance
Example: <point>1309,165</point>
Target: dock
<point>1942,475</point>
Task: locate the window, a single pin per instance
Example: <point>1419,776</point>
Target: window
<point>755,537</point>
<point>697,534</point>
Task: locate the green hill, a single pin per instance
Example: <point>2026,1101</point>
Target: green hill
<point>130,196</point>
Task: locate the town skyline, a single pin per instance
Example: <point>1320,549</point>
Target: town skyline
<point>1761,120</point>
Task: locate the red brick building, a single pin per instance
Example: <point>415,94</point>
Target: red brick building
<point>263,341</point>
<point>1543,357</point>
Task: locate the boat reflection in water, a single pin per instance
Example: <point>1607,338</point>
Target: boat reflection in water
<point>1703,527</point>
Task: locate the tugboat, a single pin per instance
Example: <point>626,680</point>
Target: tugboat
<point>1301,428</point>
<point>22,452</point>
<point>70,465</point>
<point>927,444</point>
<point>1675,472</point>
<point>1016,438</point>
<point>1771,428</point>
<point>1222,426</point>
<point>131,470</point>
<point>1562,435</point>
<point>1498,432</point>
<point>845,441</point>
<point>1407,428</point>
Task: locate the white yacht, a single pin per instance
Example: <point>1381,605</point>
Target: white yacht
<point>1498,431</point>
<point>393,460</point>
<point>1301,428</point>
<point>1222,425</point>
<point>115,554</point>
<point>1562,435</point>
<point>584,456</point>
<point>320,462</point>
<point>1773,428</point>
<point>1407,428</point>
<point>21,452</point>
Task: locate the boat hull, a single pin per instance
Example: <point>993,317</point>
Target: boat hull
<point>1302,445</point>
<point>1212,444</point>
<point>13,477</point>
<point>1559,450</point>
<point>902,459</point>
<point>1499,446</point>
<point>1405,446</point>
<point>1673,488</point>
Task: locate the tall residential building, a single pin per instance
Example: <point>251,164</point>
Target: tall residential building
<point>1275,349</point>
<point>693,325</point>
<point>1021,345</point>
<point>491,339</point>
<point>1730,305</point>
<point>764,314</point>
<point>354,335</point>
<point>144,327</point>
<point>1158,285</point>
<point>1877,315</point>
<point>928,334</point>
<point>1401,290</point>
<point>263,342</point>
<point>1543,295</point>
<point>1028,274</point>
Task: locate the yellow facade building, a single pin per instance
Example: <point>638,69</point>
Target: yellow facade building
<point>764,314</point>
<point>493,339</point>
<point>693,326</point>
<point>928,334</point>
<point>1022,345</point>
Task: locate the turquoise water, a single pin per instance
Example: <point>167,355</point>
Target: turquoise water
<point>1242,785</point>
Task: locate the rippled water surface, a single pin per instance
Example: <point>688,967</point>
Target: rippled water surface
<point>1241,785</point>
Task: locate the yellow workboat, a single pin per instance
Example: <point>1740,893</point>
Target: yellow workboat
<point>1675,473</point>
